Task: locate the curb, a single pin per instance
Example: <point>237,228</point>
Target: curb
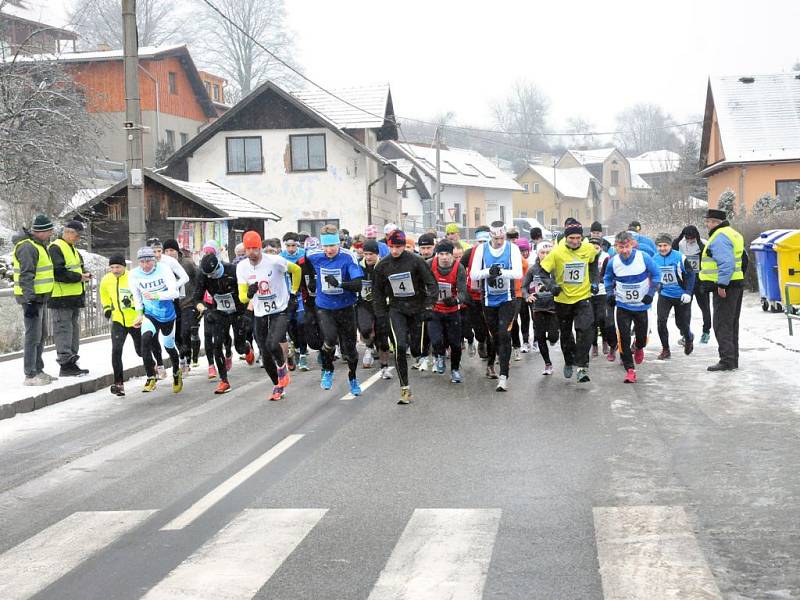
<point>80,387</point>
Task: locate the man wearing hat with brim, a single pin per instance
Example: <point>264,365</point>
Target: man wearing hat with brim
<point>33,283</point>
<point>68,297</point>
<point>723,264</point>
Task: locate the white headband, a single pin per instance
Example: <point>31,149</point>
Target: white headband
<point>498,231</point>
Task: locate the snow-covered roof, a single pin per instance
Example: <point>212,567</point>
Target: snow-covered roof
<point>364,107</point>
<point>592,157</point>
<point>638,183</point>
<point>758,116</point>
<point>80,198</point>
<point>405,166</point>
<point>458,166</point>
<point>35,11</point>
<point>101,55</point>
<point>572,182</point>
<point>655,161</point>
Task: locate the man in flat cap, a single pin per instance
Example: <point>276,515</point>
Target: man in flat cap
<point>68,297</point>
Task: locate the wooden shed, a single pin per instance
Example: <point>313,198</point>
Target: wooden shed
<point>192,213</point>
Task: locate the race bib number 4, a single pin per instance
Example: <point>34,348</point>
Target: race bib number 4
<point>402,285</point>
<point>225,303</point>
<point>327,288</point>
<point>574,273</point>
<point>668,276</point>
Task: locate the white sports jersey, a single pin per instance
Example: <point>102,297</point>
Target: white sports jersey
<point>272,296</point>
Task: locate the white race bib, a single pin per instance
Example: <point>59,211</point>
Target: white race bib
<point>225,303</point>
<point>500,286</point>
<point>631,293</point>
<point>445,290</point>
<point>366,289</point>
<point>268,303</point>
<point>402,285</point>
<point>694,262</point>
<point>574,273</point>
<point>327,288</point>
<point>668,276</point>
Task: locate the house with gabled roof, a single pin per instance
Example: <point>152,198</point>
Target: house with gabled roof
<point>610,168</point>
<point>26,27</point>
<point>550,194</point>
<point>309,155</point>
<point>751,138</point>
<point>474,191</point>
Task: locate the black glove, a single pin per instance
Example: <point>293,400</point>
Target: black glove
<point>292,306</point>
<point>31,310</point>
<point>555,289</point>
<point>595,289</point>
<point>426,315</point>
<point>450,301</point>
<point>107,313</point>
<point>492,281</point>
<point>611,300</point>
<point>252,289</point>
<point>495,270</point>
<point>331,280</point>
<point>648,299</point>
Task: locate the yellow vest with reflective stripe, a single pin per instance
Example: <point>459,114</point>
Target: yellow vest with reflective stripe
<point>43,280</point>
<point>709,270</point>
<point>72,261</point>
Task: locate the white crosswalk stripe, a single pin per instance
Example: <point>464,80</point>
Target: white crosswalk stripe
<point>650,552</point>
<point>240,559</point>
<point>442,554</point>
<point>37,562</point>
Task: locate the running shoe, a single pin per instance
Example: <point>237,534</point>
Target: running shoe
<point>595,352</point>
<point>161,371</point>
<point>223,388</point>
<point>705,337</point>
<point>455,376</point>
<point>368,359</point>
<point>302,362</point>
<point>184,366</point>
<point>195,364</point>
<point>583,375</point>
<point>355,387</point>
<point>283,376</point>
<point>250,357</point>
<point>611,356</point>
<point>548,369</point>
<point>606,348</point>
<point>118,389</point>
<point>630,376</point>
<point>385,373</point>
<point>326,381</point>
<point>502,384</point>
<point>471,349</point>
<point>440,366</point>
<point>490,372</point>
<point>526,347</point>
<point>482,352</point>
<point>517,357</point>
<point>212,372</point>
<point>688,347</point>
<point>405,395</point>
<point>567,371</point>
<point>177,382</point>
<point>681,341</point>
<point>277,393</point>
<point>149,385</point>
<point>638,356</point>
<point>417,364</point>
<point>665,354</point>
<point>228,363</point>
<point>290,358</point>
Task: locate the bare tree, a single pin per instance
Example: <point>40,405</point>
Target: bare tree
<point>522,114</point>
<point>99,22</point>
<point>644,127</point>
<point>579,130</point>
<point>47,138</point>
<point>233,43</point>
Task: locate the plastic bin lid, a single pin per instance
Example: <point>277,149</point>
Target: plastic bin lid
<point>791,241</point>
<point>768,239</point>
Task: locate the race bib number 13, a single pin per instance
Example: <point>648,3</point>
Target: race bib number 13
<point>574,273</point>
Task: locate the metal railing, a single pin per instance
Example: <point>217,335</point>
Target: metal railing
<point>791,311</point>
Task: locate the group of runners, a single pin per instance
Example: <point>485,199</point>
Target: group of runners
<point>432,301</point>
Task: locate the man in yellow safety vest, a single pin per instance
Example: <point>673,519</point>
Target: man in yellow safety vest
<point>33,283</point>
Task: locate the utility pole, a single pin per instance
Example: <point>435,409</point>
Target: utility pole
<point>134,162</point>
<point>437,202</point>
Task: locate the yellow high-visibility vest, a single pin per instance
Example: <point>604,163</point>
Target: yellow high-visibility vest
<point>709,269</point>
<point>43,280</point>
<point>72,261</point>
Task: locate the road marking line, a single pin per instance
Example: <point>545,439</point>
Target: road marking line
<point>241,558</point>
<point>650,552</point>
<point>218,493</point>
<point>442,554</point>
<point>37,562</point>
<point>365,385</point>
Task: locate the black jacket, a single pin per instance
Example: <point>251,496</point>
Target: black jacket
<point>425,287</point>
<point>227,284</point>
<point>62,274</point>
<point>544,298</point>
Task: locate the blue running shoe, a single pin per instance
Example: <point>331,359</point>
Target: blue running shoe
<point>355,387</point>
<point>440,365</point>
<point>567,371</point>
<point>326,382</point>
<point>455,377</point>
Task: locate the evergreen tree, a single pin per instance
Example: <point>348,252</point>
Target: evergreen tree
<point>727,202</point>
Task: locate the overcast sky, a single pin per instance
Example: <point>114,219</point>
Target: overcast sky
<point>591,57</point>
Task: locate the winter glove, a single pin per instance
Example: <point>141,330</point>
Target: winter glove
<point>611,300</point>
<point>331,281</point>
<point>31,310</point>
<point>107,313</point>
<point>492,281</point>
<point>648,299</point>
<point>686,298</point>
<point>495,270</point>
<point>252,289</point>
<point>595,289</point>
<point>555,289</point>
<point>426,315</point>
<point>292,305</point>
<point>450,301</point>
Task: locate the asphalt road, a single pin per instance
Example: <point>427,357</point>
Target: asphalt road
<point>685,485</point>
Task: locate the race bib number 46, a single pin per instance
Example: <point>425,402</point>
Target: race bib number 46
<point>574,273</point>
<point>402,285</point>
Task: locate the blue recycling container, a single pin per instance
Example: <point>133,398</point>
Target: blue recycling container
<point>766,258</point>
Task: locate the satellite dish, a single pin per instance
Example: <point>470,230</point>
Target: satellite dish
<point>612,191</point>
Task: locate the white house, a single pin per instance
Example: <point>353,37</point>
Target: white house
<point>474,190</point>
<point>308,156</point>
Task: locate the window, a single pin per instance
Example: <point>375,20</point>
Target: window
<point>615,177</point>
<point>170,138</point>
<point>208,88</point>
<point>184,138</point>
<point>173,82</point>
<point>456,212</point>
<point>308,152</point>
<point>503,214</point>
<point>535,188</point>
<point>477,216</point>
<point>540,216</point>
<point>788,191</point>
<point>244,155</point>
<point>314,225</point>
<point>464,220</point>
<point>525,188</point>
<point>216,92</point>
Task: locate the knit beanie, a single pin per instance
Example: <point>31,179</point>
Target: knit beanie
<point>426,239</point>
<point>371,245</point>
<point>41,223</point>
<point>444,246</point>
<point>172,244</point>
<point>596,226</point>
<point>573,228</point>
<point>396,238</point>
<point>116,259</point>
<point>664,238</point>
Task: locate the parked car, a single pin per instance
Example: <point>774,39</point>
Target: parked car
<point>525,224</point>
